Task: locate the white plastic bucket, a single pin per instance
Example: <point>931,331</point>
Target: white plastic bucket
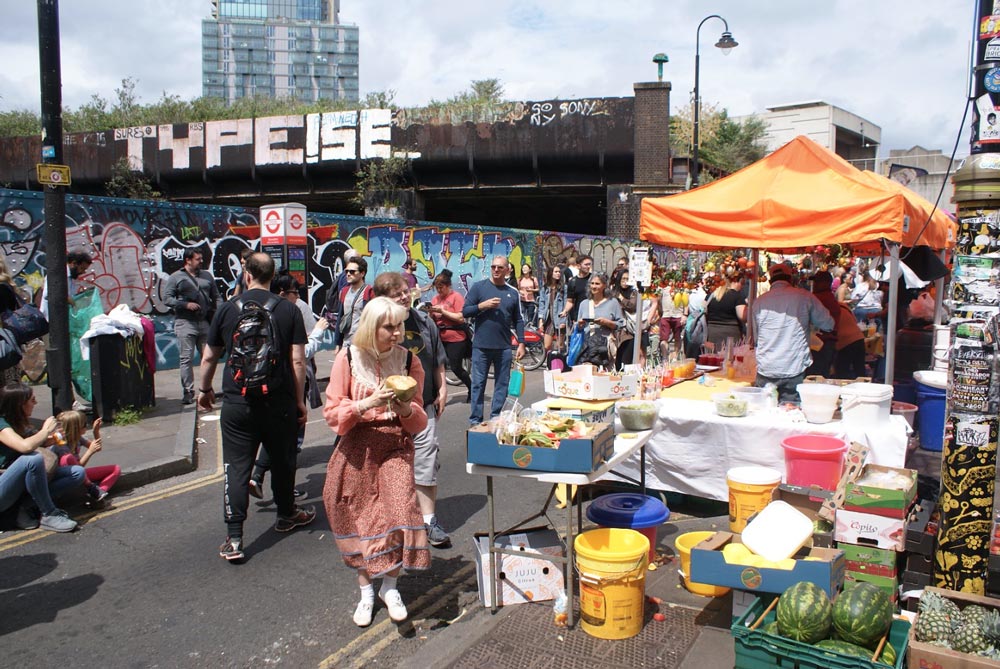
<point>942,344</point>
<point>866,404</point>
<point>818,401</point>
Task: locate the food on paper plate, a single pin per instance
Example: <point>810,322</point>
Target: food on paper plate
<point>405,387</point>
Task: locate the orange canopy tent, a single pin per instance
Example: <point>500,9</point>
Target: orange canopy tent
<point>799,196</point>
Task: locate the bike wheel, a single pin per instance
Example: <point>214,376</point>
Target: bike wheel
<point>534,356</point>
<point>450,377</point>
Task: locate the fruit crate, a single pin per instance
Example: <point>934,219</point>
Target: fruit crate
<point>758,650</point>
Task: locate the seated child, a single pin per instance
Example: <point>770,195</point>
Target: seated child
<point>99,479</point>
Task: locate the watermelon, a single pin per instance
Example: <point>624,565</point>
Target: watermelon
<point>804,613</point>
<point>771,628</point>
<point>888,655</point>
<point>862,615</point>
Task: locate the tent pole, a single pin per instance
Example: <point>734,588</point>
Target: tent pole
<point>895,273</point>
<point>939,293</point>
<point>752,293</point>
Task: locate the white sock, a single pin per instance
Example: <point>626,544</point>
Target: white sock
<point>388,583</point>
<point>368,593</point>
<point>429,518</point>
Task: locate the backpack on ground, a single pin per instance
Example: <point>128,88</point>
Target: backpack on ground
<point>254,357</point>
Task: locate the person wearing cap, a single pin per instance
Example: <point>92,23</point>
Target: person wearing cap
<point>822,288</point>
<point>783,318</point>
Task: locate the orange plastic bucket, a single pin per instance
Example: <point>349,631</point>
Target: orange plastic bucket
<point>814,459</point>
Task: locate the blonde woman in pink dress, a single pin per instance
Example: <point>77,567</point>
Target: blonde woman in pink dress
<point>369,494</point>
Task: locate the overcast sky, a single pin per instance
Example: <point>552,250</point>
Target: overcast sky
<point>901,65</point>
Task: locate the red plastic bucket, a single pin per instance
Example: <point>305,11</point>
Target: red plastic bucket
<point>814,459</point>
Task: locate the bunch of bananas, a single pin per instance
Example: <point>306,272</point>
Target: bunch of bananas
<point>536,439</point>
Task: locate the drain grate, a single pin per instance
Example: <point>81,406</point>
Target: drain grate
<point>527,639</point>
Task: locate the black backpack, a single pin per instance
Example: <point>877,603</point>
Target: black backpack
<point>253,357</point>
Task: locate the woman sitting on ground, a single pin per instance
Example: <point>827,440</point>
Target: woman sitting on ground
<point>22,464</point>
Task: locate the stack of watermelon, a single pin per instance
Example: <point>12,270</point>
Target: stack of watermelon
<point>853,624</point>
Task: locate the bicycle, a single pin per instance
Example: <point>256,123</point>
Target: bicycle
<point>534,355</point>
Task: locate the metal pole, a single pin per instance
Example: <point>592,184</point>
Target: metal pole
<point>637,340</point>
<point>57,353</point>
<point>895,272</point>
<point>697,110</point>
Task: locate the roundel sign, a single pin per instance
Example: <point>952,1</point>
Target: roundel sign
<point>272,226</point>
<point>296,225</point>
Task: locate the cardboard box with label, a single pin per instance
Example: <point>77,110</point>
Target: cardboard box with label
<point>867,495</point>
<point>577,456</point>
<point>871,556</point>
<point>825,568</point>
<point>926,656</point>
<point>523,578</point>
<point>854,527</point>
<point>585,382</point>
<point>589,411</point>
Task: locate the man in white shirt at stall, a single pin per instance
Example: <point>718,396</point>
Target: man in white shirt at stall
<point>783,319</point>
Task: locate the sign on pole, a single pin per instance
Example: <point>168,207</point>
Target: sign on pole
<point>50,174</point>
<point>640,267</point>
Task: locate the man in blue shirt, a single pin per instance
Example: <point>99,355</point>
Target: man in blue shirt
<point>496,308</point>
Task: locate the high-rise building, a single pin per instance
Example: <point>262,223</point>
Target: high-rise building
<point>279,48</point>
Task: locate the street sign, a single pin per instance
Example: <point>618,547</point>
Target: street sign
<point>53,175</point>
<point>640,269</point>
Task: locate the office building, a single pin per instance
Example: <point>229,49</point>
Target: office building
<point>279,48</point>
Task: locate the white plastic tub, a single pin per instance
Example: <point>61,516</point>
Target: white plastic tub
<point>757,398</point>
<point>818,401</point>
<point>778,531</point>
<point>866,404</point>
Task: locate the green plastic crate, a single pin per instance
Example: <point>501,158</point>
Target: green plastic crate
<point>757,650</point>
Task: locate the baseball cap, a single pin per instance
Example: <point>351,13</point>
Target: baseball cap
<point>783,268</point>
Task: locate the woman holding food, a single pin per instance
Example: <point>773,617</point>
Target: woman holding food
<point>600,316</point>
<point>369,493</point>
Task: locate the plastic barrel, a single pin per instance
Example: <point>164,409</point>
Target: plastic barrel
<point>612,567</point>
<point>632,511</point>
<point>814,459</point>
<point>930,415</point>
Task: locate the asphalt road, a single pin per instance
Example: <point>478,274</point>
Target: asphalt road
<point>142,585</point>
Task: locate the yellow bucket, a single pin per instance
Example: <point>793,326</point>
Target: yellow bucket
<point>612,566</point>
<point>684,544</point>
<point>750,491</point>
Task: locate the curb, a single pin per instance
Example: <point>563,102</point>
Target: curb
<point>183,461</point>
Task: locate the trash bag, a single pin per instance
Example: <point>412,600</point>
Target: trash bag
<point>88,305</point>
<point>575,345</point>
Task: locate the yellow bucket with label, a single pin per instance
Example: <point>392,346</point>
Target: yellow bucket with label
<point>684,543</point>
<point>612,566</point>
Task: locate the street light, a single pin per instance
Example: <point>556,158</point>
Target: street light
<point>727,44</point>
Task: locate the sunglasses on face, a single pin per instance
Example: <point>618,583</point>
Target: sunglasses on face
<point>351,271</point>
<point>498,266</point>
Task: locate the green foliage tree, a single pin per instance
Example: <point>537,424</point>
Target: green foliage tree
<point>380,182</point>
<point>127,183</point>
<point>19,123</point>
<point>735,144</point>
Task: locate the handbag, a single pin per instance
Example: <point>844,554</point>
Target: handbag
<point>10,351</point>
<point>575,345</point>
<point>27,322</point>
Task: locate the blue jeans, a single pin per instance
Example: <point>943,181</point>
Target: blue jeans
<point>26,473</point>
<point>65,479</point>
<point>482,358</point>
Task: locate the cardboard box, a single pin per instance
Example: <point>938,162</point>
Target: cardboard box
<point>809,501</point>
<point>854,527</point>
<point>869,555</point>
<point>586,383</point>
<point>882,501</point>
<point>886,583</point>
<point>873,569</point>
<point>580,456</point>
<point>523,578</point>
<point>923,564</point>
<point>915,580</point>
<point>708,565</point>
<point>921,528</point>
<point>589,411</point>
<point>853,462</point>
<point>926,656</point>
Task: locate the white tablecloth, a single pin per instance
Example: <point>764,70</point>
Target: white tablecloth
<point>692,448</point>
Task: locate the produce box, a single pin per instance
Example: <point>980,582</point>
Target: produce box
<point>927,656</point>
<point>578,456</point>
<point>886,583</point>
<point>884,501</point>
<point>869,555</point>
<point>854,527</point>
<point>853,462</point>
<point>589,411</point>
<point>586,383</point>
<point>524,578</point>
<point>921,528</point>
<point>756,649</point>
<point>809,501</point>
<point>708,565</point>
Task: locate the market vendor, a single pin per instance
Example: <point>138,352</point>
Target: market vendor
<point>782,318</point>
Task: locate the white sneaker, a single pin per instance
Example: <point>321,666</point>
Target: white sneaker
<point>394,603</point>
<point>363,614</point>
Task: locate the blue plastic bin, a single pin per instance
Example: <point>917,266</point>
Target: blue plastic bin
<point>931,397</point>
<point>628,510</point>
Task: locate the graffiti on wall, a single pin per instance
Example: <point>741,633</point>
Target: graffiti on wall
<point>136,245</point>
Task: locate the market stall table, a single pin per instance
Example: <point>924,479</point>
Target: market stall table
<point>624,448</point>
<point>692,448</point>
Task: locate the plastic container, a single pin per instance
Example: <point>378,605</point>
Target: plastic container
<point>866,404</point>
<point>755,649</point>
<point>757,398</point>
<point>612,567</point>
<point>750,491</point>
<point>777,531</point>
<point>814,459</point>
<point>818,401</point>
<point>932,387</point>
<point>904,391</point>
<point>628,510</point>
<point>729,405</point>
<point>906,410</point>
<point>684,543</point>
<point>637,415</point>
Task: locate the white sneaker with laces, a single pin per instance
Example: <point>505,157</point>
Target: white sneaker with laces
<point>394,603</point>
<point>363,613</point>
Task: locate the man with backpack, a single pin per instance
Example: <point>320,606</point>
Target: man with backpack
<point>263,390</point>
<point>193,297</point>
<point>353,298</point>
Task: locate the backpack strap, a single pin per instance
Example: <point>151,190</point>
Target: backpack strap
<point>269,304</point>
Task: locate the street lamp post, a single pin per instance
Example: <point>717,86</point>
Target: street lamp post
<point>727,44</point>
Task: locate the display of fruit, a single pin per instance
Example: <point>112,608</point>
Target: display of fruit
<point>404,387</point>
<point>862,614</point>
<point>934,622</point>
<point>804,613</point>
<point>888,655</point>
<point>974,630</point>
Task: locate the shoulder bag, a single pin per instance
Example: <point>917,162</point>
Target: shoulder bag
<point>26,322</point>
